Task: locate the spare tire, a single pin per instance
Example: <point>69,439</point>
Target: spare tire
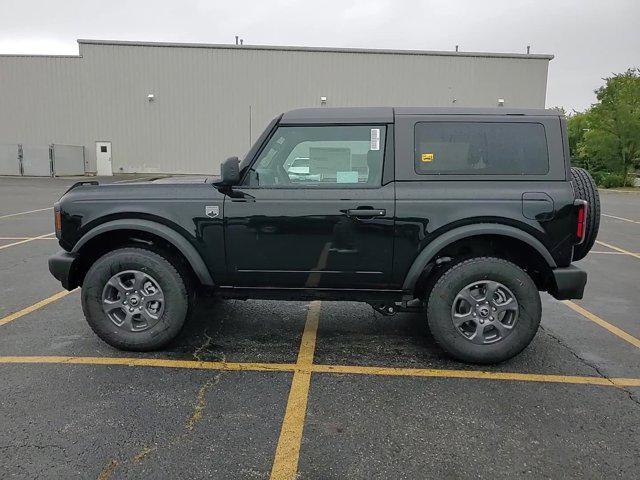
<point>585,188</point>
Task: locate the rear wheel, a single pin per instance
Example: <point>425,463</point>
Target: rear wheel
<point>135,299</point>
<point>484,310</point>
<point>585,188</point>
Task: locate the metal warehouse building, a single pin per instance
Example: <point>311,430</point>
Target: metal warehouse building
<point>184,108</point>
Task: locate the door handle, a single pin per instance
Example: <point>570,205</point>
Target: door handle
<point>366,212</point>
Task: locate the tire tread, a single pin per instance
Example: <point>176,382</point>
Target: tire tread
<point>585,188</point>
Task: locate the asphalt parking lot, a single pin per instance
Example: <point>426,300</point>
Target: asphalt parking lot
<point>322,390</point>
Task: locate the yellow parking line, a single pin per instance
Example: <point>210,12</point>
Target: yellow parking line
<point>322,369</point>
<point>153,362</point>
<point>30,239</point>
<point>285,463</point>
<point>475,374</point>
<point>603,323</point>
<point>24,213</point>
<point>620,218</point>
<point>34,307</point>
<point>618,249</point>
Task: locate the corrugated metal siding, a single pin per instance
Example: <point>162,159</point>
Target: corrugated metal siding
<point>200,114</point>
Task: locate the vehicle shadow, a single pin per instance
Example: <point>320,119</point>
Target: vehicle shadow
<point>349,333</point>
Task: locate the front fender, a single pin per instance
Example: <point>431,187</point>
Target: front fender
<point>447,238</point>
<point>168,234</point>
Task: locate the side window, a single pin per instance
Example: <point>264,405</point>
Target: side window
<point>480,148</point>
<point>321,156</point>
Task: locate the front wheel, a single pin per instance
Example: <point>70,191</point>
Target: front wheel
<point>135,299</point>
<point>484,310</point>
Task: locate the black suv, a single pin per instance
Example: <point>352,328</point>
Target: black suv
<point>463,213</point>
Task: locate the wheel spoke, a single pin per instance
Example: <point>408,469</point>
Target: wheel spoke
<point>127,323</point>
<point>502,328</point>
<point>138,280</point>
<point>509,305</point>
<point>460,318</point>
<point>465,294</point>
<point>148,317</point>
<point>117,284</point>
<point>490,291</point>
<point>478,336</point>
<point>110,305</point>
<point>157,296</point>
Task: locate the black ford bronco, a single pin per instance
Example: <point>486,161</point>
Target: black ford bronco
<point>465,214</point>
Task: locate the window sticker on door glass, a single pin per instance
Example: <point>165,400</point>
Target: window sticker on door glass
<point>427,157</point>
<point>347,177</point>
<point>375,139</point>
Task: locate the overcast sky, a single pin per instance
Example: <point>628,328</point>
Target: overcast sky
<point>590,38</point>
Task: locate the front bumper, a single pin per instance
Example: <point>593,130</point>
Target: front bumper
<point>568,283</point>
<point>60,265</point>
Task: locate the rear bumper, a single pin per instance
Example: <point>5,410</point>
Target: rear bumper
<point>568,283</point>
<point>60,267</point>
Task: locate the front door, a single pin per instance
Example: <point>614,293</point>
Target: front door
<point>103,158</point>
<point>312,212</point>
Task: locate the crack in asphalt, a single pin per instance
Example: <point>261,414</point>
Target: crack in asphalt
<point>589,364</point>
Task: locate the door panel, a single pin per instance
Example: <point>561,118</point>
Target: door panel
<point>103,158</point>
<point>310,238</point>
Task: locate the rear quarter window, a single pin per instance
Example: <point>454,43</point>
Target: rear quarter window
<point>480,148</point>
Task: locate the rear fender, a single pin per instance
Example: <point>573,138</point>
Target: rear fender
<point>466,231</point>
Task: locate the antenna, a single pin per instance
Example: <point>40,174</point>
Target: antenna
<point>236,39</point>
<point>456,48</point>
<point>528,49</point>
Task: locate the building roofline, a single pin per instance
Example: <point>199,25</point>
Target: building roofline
<point>440,53</point>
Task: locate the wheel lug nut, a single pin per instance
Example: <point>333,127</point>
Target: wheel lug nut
<point>494,309</point>
<point>490,318</point>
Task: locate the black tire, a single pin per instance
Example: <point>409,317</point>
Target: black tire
<point>585,188</point>
<point>173,288</point>
<point>452,281</point>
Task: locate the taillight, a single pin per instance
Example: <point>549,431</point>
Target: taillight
<point>581,216</point>
<point>57,219</point>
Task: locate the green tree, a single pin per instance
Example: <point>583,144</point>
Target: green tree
<point>612,125</point>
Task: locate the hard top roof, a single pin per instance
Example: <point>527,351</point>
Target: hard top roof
<point>386,114</point>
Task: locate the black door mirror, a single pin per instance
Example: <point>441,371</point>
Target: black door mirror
<point>230,171</point>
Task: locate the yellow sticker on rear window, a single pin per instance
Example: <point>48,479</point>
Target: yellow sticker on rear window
<point>427,157</point>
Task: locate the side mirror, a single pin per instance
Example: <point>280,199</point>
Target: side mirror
<point>230,171</point>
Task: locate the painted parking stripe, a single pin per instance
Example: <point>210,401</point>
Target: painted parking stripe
<point>322,369</point>
<point>152,362</point>
<point>620,218</point>
<point>476,375</point>
<point>36,306</point>
<point>285,463</point>
<point>603,323</point>
<point>618,249</point>
<point>24,213</point>
<point>30,239</point>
